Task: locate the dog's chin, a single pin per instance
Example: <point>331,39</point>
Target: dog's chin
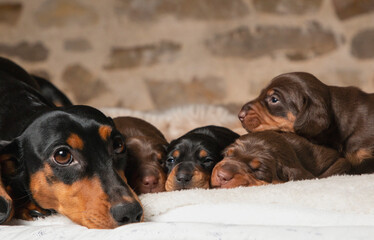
<point>177,186</point>
<point>142,190</point>
<point>250,124</point>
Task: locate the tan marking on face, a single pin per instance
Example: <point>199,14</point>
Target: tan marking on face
<point>170,181</point>
<point>58,104</point>
<point>255,163</point>
<point>158,155</point>
<point>360,155</point>
<point>176,153</point>
<point>200,179</point>
<point>203,153</point>
<point>270,92</point>
<point>265,121</point>
<point>229,152</point>
<point>84,201</point>
<point>121,173</point>
<point>128,199</point>
<point>105,131</point>
<point>75,141</point>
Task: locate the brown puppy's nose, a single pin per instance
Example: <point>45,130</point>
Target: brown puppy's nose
<point>242,115</point>
<point>125,213</point>
<point>150,181</point>
<point>223,176</point>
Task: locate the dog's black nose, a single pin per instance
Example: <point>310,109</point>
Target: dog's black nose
<point>183,177</point>
<point>5,209</point>
<point>125,213</point>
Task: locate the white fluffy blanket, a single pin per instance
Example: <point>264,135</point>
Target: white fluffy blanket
<point>339,207</point>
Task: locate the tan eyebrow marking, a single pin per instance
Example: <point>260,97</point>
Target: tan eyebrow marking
<point>176,153</point>
<point>203,153</point>
<point>270,92</point>
<point>75,141</point>
<point>105,131</point>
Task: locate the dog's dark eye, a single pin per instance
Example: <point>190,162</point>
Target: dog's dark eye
<point>63,156</point>
<point>208,161</point>
<point>274,100</point>
<point>170,160</point>
<point>118,145</point>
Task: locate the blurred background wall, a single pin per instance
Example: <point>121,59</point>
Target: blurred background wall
<point>156,54</point>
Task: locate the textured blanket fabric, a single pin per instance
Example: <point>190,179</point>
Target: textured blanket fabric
<point>339,207</point>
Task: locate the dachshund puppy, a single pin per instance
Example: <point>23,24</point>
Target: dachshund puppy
<point>270,157</point>
<point>338,117</point>
<point>191,158</point>
<point>69,160</point>
<point>146,149</point>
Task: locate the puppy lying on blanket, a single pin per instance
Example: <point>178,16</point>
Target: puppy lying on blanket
<point>146,149</point>
<point>271,157</point>
<point>68,160</point>
<point>337,117</point>
<point>191,158</point>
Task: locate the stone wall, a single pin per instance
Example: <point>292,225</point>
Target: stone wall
<point>156,54</point>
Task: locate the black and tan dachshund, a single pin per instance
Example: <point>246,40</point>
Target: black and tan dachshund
<point>191,158</point>
<point>69,160</point>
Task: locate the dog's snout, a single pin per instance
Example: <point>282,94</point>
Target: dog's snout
<point>224,176</point>
<point>125,213</point>
<point>243,112</point>
<point>183,177</point>
<point>150,181</point>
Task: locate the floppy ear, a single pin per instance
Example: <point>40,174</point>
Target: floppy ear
<point>314,116</point>
<point>10,150</point>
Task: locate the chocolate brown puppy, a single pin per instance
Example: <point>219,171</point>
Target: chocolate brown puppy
<point>271,157</point>
<point>191,158</point>
<point>146,149</point>
<point>338,117</point>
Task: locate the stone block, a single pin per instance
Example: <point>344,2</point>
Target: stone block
<point>362,46</point>
<point>297,43</point>
<point>10,13</point>
<point>143,55</point>
<point>82,83</point>
<point>140,10</point>
<point>32,52</point>
<point>60,13</point>
<point>205,90</point>
<point>77,45</point>
<point>283,7</point>
<point>346,9</point>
